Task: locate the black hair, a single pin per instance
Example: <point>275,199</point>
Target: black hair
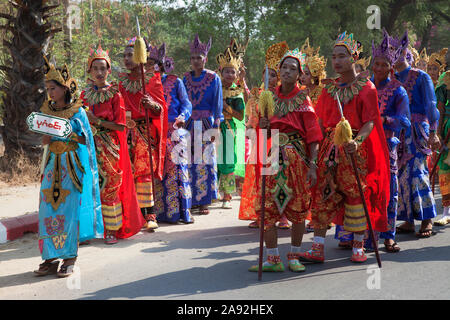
<point>67,95</point>
<point>298,62</point>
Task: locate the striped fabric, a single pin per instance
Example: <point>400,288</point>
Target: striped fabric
<point>144,194</point>
<point>355,220</point>
<point>112,216</point>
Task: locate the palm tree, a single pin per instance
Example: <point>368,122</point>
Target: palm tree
<point>27,33</point>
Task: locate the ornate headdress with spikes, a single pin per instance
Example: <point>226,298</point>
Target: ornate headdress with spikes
<point>438,59</point>
<point>237,49</point>
<point>197,47</point>
<point>383,50</point>
<point>275,53</point>
<point>397,45</point>
<point>316,63</point>
<point>159,56</point>
<point>98,54</point>
<point>228,60</point>
<point>423,55</point>
<point>347,41</point>
<point>414,56</point>
<point>297,55</point>
<point>308,50</point>
<point>61,75</point>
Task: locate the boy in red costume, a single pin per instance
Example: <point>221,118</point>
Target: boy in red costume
<point>337,195</point>
<point>130,87</point>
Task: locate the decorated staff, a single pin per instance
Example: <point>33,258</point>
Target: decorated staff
<point>344,135</point>
<point>266,109</point>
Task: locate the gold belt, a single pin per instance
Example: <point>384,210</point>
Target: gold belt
<point>60,147</point>
<point>287,138</point>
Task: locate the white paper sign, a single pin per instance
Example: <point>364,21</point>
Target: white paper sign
<point>50,125</point>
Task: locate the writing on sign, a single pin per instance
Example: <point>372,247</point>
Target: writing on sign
<point>50,125</point>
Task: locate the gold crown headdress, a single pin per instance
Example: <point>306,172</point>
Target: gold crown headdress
<point>228,60</point>
<point>364,62</point>
<point>98,53</point>
<point>415,54</point>
<point>423,55</point>
<point>275,53</point>
<point>61,75</point>
<point>237,49</point>
<point>316,63</point>
<point>308,50</point>
<point>438,59</point>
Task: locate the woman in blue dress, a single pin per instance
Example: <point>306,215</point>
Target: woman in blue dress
<point>69,204</point>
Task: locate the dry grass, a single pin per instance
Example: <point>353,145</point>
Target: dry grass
<point>18,171</point>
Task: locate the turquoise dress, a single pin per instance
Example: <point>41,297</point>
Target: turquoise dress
<point>69,202</point>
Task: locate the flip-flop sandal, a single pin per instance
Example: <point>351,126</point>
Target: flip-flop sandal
<point>204,212</point>
<point>392,248</point>
<point>422,233</point>
<point>254,225</point>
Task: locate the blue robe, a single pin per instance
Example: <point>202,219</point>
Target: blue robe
<point>78,218</point>
<point>416,201</point>
<point>205,94</point>
<point>175,190</point>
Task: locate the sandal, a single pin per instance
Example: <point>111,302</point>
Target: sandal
<point>309,228</point>
<point>442,222</point>
<point>203,211</point>
<point>65,271</point>
<point>110,239</point>
<point>46,268</point>
<point>392,248</point>
<point>423,233</point>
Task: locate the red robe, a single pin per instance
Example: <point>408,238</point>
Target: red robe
<point>114,110</point>
<point>159,123</point>
<point>359,110</point>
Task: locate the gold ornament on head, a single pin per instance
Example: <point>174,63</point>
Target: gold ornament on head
<point>275,53</point>
<point>237,49</point>
<point>315,63</point>
<point>61,75</point>
<point>423,55</point>
<point>438,59</point>
<point>364,62</point>
<point>228,60</point>
<point>415,55</point>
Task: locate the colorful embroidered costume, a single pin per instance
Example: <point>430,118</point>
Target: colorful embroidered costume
<point>120,207</point>
<point>337,196</point>
<point>228,150</point>
<point>69,202</point>
<point>443,97</point>
<point>131,90</point>
<point>174,198</point>
<point>205,94</point>
<point>286,190</point>
<point>250,189</point>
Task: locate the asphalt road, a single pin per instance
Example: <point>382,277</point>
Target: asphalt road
<point>209,260</point>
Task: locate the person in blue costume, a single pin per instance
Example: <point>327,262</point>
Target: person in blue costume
<point>204,89</point>
<point>173,194</point>
<point>69,202</point>
<point>416,201</point>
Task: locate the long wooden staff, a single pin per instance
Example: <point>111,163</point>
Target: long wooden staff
<point>441,151</point>
<point>140,57</point>
<point>265,101</point>
<point>361,192</point>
